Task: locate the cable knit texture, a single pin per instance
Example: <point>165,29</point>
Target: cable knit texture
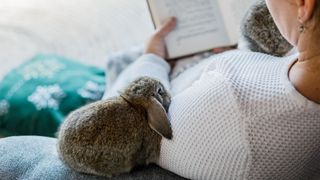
<point>241,119</point>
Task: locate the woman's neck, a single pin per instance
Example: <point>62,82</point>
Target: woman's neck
<point>305,73</point>
<point>308,46</point>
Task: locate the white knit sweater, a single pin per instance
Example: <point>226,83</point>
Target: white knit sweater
<point>235,116</point>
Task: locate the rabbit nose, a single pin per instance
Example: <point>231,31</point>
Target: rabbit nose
<point>166,107</point>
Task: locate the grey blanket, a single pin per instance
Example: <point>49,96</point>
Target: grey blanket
<point>33,158</point>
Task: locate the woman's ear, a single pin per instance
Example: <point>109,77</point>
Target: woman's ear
<point>306,9</point>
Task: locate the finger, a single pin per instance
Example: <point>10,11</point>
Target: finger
<point>167,27</point>
<point>222,49</point>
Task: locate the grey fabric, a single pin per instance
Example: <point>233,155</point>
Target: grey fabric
<point>33,157</point>
<point>117,62</point>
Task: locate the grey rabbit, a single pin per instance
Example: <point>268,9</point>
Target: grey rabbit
<point>112,136</point>
<point>261,33</point>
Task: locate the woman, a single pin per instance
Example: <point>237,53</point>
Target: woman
<point>244,115</point>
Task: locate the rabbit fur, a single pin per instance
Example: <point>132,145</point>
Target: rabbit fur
<point>112,136</point>
<point>261,33</point>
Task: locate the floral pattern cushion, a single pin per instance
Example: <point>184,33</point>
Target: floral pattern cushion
<point>37,96</point>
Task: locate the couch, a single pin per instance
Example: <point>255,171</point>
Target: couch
<point>36,158</point>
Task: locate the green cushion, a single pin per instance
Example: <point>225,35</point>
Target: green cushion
<point>36,97</point>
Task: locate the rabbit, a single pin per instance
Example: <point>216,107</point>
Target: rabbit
<point>261,33</point>
<point>112,136</point>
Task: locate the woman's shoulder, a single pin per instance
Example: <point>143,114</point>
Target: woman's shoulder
<point>257,80</point>
<point>241,58</point>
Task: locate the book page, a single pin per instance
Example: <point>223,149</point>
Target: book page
<point>233,13</point>
<point>199,25</point>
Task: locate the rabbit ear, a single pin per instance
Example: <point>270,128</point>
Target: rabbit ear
<point>158,119</point>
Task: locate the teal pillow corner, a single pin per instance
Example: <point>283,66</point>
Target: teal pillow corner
<point>37,96</point>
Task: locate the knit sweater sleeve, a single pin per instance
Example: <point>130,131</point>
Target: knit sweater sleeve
<point>147,65</point>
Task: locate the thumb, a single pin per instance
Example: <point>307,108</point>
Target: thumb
<point>167,27</point>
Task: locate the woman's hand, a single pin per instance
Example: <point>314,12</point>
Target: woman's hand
<point>156,44</point>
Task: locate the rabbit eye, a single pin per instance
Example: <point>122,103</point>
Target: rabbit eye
<point>160,91</point>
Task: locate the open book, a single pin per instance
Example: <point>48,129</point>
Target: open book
<point>202,24</point>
